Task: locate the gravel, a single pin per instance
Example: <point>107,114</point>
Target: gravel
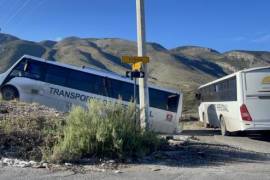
<point>15,109</point>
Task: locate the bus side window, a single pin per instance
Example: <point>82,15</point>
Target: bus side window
<point>119,89</point>
<point>163,100</point>
<point>56,75</point>
<point>79,80</point>
<point>33,70</point>
<point>173,102</point>
<point>97,85</point>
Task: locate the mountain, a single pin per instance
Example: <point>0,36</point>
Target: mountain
<point>183,68</point>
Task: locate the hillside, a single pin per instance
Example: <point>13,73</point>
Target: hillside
<point>183,68</point>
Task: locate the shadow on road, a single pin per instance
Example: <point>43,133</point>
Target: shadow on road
<point>254,135</point>
<point>201,132</point>
<point>197,154</point>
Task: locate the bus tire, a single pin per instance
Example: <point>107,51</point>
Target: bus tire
<point>223,128</point>
<point>9,93</point>
<point>205,124</point>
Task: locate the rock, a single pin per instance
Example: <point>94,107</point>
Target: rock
<point>38,165</point>
<point>33,163</point>
<point>44,165</point>
<point>117,172</point>
<point>21,164</point>
<point>175,143</point>
<point>102,164</point>
<point>8,162</point>
<point>111,161</point>
<point>156,169</point>
<point>181,138</point>
<point>68,164</point>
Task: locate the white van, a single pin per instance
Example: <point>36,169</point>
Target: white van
<point>237,102</point>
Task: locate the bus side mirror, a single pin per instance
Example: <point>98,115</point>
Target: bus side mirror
<point>198,96</point>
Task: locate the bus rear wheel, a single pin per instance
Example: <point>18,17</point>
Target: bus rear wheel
<point>223,128</point>
<point>9,93</point>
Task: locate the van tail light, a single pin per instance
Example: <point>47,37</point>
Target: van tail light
<point>244,113</point>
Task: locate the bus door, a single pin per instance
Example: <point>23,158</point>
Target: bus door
<point>257,96</point>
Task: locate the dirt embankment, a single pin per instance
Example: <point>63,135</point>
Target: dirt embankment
<point>27,130</point>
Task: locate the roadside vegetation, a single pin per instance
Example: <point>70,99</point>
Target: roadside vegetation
<point>28,131</point>
<point>102,130</point>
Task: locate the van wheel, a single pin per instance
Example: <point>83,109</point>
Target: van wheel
<point>205,124</point>
<point>223,129</point>
<point>9,93</point>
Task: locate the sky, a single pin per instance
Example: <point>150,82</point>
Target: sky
<point>219,24</point>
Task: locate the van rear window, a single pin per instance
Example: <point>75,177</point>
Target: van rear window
<point>258,81</point>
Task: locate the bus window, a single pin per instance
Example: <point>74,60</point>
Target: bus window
<point>86,82</point>
<point>119,89</point>
<point>18,71</point>
<point>160,99</point>
<point>173,102</point>
<point>78,80</point>
<point>34,70</point>
<point>56,75</point>
<point>29,69</point>
<point>97,84</point>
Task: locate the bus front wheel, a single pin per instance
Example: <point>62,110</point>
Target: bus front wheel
<point>9,93</point>
<point>223,128</point>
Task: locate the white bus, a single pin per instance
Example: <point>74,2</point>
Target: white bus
<point>237,102</point>
<point>62,86</point>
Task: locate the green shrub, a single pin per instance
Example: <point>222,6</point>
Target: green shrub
<point>104,129</point>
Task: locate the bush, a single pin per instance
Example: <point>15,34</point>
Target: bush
<point>104,129</point>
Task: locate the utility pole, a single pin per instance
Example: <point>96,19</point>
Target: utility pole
<point>143,82</point>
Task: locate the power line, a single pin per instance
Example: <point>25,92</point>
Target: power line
<point>7,9</point>
<point>17,12</point>
<point>32,10</point>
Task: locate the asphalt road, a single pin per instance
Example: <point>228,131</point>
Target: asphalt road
<point>210,158</point>
<point>243,171</point>
<point>252,141</point>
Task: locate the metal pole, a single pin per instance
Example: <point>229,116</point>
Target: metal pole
<point>135,101</point>
<point>143,82</point>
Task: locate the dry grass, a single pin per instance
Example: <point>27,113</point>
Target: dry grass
<point>28,131</point>
<point>104,130</point>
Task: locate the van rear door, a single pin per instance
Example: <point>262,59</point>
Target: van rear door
<point>257,96</point>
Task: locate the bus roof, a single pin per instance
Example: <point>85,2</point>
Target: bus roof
<point>233,74</point>
<point>103,73</point>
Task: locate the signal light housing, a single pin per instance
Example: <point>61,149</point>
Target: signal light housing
<point>244,113</point>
